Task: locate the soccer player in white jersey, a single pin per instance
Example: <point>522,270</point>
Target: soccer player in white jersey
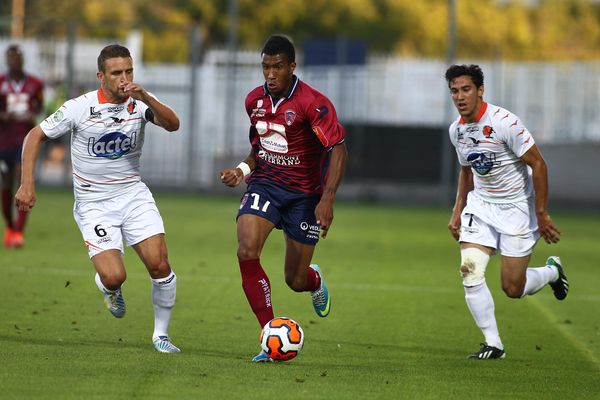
<point>112,204</point>
<point>501,204</point>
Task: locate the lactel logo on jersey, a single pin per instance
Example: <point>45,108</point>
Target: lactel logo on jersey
<point>112,145</point>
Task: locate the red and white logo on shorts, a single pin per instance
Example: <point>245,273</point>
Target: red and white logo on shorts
<point>244,200</point>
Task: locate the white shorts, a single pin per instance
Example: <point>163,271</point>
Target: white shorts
<point>511,228</point>
<point>132,216</point>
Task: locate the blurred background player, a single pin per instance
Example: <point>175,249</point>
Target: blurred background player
<point>295,166</point>
<point>112,204</point>
<point>21,100</point>
<point>501,204</point>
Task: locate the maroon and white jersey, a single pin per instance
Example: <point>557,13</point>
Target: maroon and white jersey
<point>23,100</point>
<point>292,136</point>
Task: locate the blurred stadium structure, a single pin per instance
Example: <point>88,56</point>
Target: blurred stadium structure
<point>395,111</point>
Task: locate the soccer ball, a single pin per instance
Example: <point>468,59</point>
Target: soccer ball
<point>282,338</point>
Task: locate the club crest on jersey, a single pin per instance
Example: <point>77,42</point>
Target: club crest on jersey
<point>290,116</point>
<point>488,131</point>
<point>482,163</point>
<point>131,107</point>
<point>112,145</point>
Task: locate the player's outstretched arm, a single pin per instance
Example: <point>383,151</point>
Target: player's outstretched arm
<point>337,167</point>
<point>539,172</point>
<point>234,176</point>
<point>164,116</point>
<point>25,197</point>
<point>465,185</point>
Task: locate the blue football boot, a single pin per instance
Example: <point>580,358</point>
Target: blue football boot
<point>261,357</point>
<point>320,297</point>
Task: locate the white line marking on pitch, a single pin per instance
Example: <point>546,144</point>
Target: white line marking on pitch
<point>562,329</point>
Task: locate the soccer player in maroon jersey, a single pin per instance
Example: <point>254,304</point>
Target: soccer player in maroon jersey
<point>294,168</point>
<point>21,99</point>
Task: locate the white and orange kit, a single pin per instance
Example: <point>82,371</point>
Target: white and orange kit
<point>500,209</point>
<point>111,201</point>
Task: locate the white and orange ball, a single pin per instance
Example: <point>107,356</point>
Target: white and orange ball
<point>282,338</point>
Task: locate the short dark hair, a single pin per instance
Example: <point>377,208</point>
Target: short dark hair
<point>111,51</point>
<point>474,71</point>
<point>280,44</point>
<point>14,48</point>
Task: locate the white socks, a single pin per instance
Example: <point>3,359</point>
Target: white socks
<point>537,278</point>
<point>164,291</point>
<point>481,304</point>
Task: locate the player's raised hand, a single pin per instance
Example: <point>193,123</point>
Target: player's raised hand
<point>135,90</point>
<point>548,230</point>
<point>324,215</point>
<point>25,198</point>
<point>232,176</point>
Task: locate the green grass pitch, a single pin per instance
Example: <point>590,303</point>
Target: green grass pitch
<point>399,326</point>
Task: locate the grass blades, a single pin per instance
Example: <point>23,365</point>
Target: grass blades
<point>399,326</point>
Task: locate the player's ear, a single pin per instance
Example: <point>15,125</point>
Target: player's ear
<point>99,75</point>
<point>293,66</point>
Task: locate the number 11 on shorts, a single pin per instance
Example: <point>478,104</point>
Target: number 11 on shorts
<point>255,203</point>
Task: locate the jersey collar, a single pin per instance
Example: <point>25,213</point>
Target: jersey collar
<point>102,98</point>
<point>11,79</point>
<point>290,92</point>
<point>481,112</point>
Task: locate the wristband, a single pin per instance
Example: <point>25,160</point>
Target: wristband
<point>245,168</point>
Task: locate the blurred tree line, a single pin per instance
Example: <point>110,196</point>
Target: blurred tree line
<point>487,29</point>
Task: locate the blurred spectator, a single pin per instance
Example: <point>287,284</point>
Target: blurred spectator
<point>21,99</point>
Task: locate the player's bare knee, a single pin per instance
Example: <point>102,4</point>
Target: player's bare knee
<point>473,265</point>
<point>159,268</point>
<point>513,291</point>
<point>295,282</point>
<point>247,253</point>
<point>113,279</point>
